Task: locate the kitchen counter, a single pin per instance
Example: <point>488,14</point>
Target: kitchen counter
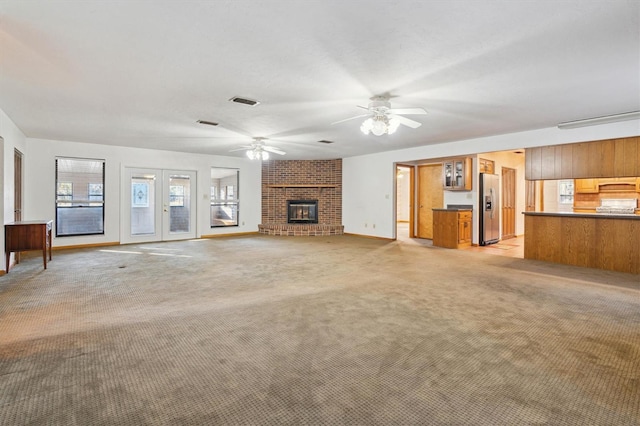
<point>593,240</point>
<point>452,227</point>
<point>585,215</point>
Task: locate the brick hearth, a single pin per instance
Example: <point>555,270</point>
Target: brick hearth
<point>301,230</point>
<point>284,180</point>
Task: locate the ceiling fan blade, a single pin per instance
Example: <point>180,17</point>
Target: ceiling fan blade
<point>351,118</point>
<point>406,121</point>
<point>273,150</point>
<point>408,111</point>
<point>242,148</point>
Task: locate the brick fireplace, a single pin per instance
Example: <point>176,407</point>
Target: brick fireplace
<point>284,181</point>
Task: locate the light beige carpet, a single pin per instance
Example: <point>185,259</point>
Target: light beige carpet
<point>315,331</point>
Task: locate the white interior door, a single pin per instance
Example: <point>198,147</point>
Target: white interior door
<point>158,205</point>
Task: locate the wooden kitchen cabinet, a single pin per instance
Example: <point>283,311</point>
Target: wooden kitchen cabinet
<point>457,174</point>
<point>594,186</point>
<point>594,159</point>
<point>486,166</point>
<point>464,228</point>
<point>452,228</point>
<point>586,186</point>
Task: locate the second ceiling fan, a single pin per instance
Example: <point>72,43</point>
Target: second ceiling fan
<point>258,150</point>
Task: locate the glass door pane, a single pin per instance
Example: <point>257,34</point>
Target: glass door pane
<point>141,204</point>
<point>459,178</point>
<point>179,203</point>
<point>179,206</point>
<point>448,175</point>
<point>143,201</point>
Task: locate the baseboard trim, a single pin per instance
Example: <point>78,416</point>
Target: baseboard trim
<point>369,236</point>
<point>83,246</point>
<point>233,234</point>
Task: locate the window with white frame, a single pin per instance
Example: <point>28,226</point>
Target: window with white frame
<point>565,191</point>
<point>224,197</point>
<point>79,196</point>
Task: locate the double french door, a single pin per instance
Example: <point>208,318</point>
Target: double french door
<point>158,205</point>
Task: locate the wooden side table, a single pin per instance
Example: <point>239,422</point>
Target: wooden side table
<point>28,235</point>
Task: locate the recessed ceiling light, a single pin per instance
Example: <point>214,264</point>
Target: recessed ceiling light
<point>244,101</point>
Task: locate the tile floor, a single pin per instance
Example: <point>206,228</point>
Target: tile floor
<point>512,247</point>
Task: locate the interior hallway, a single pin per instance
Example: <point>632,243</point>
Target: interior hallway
<point>315,330</point>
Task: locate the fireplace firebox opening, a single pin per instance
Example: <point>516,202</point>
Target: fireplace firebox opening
<point>302,211</point>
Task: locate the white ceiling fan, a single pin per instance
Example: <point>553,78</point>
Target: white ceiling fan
<point>384,119</point>
<point>258,150</point>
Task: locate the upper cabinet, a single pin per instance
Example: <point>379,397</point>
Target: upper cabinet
<point>486,166</point>
<point>457,174</point>
<point>594,186</point>
<point>586,186</point>
<point>598,159</point>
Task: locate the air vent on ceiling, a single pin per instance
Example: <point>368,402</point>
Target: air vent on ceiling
<point>325,141</point>
<point>208,123</point>
<point>244,101</point>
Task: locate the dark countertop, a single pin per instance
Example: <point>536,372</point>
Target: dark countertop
<point>585,215</point>
<point>453,210</point>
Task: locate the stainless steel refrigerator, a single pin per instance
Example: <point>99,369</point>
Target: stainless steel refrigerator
<point>489,209</point>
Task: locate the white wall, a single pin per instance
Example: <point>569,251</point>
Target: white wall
<point>40,184</point>
<point>12,138</point>
<point>368,180</point>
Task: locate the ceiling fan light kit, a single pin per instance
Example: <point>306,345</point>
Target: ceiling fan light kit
<point>258,150</point>
<point>380,125</point>
<point>382,119</point>
<point>257,154</point>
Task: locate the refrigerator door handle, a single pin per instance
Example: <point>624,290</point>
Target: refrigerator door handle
<point>491,201</point>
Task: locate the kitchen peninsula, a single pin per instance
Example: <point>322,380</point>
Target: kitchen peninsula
<point>602,231</point>
<point>593,240</point>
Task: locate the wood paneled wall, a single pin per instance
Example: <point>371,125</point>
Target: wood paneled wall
<point>605,158</point>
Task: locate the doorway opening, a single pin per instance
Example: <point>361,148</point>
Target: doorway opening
<point>418,191</point>
<point>428,192</point>
<point>404,201</point>
<point>17,188</point>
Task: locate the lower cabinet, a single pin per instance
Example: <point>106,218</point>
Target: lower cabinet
<point>464,228</point>
<point>452,228</point>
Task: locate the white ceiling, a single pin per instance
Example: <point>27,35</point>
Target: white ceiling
<point>140,73</point>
